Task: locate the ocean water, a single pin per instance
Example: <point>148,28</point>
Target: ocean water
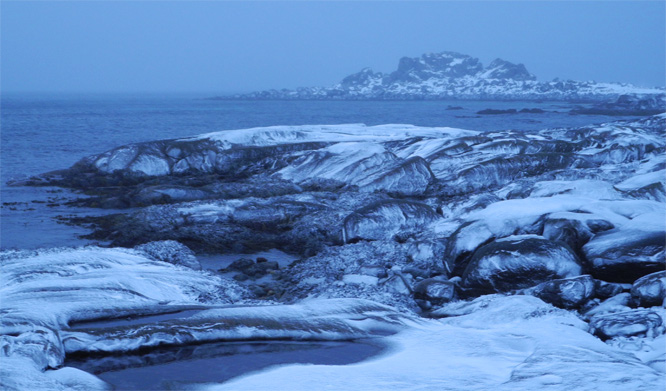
<point>41,133</point>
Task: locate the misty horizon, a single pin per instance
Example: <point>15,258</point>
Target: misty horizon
<point>229,47</point>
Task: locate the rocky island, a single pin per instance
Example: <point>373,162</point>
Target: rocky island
<point>451,75</point>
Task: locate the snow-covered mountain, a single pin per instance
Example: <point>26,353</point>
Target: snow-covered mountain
<point>450,75</point>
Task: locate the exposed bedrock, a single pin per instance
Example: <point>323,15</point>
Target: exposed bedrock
<point>519,262</point>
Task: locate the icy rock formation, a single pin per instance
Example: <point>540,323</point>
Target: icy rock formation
<point>650,290</point>
<point>450,75</point>
<point>172,252</point>
<point>628,323</point>
<point>436,291</point>
<point>629,252</point>
<point>323,320</point>
<point>384,219</point>
<point>518,262</point>
<point>43,291</point>
<point>568,293</point>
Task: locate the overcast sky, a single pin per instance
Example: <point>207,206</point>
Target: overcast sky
<point>153,46</point>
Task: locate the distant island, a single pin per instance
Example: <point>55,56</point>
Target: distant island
<point>448,76</point>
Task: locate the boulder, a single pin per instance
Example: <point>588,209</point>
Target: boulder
<point>604,290</point>
<point>650,290</point>
<point>519,262</point>
<point>568,293</point>
<point>636,322</point>
<point>435,290</point>
<point>627,253</point>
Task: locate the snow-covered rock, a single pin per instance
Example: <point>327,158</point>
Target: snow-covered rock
<point>44,291</point>
<point>519,262</point>
<point>384,219</point>
<point>650,290</point>
<point>628,323</point>
<point>631,251</point>
<point>566,293</point>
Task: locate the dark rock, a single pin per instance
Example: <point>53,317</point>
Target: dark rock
<point>519,263</point>
<point>568,293</point>
<point>532,111</point>
<point>572,232</point>
<point>435,290</point>
<point>261,259</point>
<point>650,290</point>
<point>624,255</point>
<point>638,322</point>
<point>449,107</point>
<point>629,105</point>
<point>241,264</point>
<point>605,290</point>
<point>496,111</point>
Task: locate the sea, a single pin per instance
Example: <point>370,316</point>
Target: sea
<point>46,132</point>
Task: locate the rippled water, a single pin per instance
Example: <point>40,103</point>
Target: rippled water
<point>42,133</point>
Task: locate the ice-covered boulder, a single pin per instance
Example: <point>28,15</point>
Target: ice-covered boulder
<point>519,262</point>
<point>384,219</point>
<point>629,252</point>
<point>566,293</point>
<point>650,290</point>
<point>628,323</point>
<point>435,290</point>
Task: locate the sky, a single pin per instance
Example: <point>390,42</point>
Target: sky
<point>233,46</point>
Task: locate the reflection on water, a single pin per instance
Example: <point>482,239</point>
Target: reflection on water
<point>174,367</point>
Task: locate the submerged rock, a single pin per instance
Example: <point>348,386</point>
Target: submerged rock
<point>519,262</point>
